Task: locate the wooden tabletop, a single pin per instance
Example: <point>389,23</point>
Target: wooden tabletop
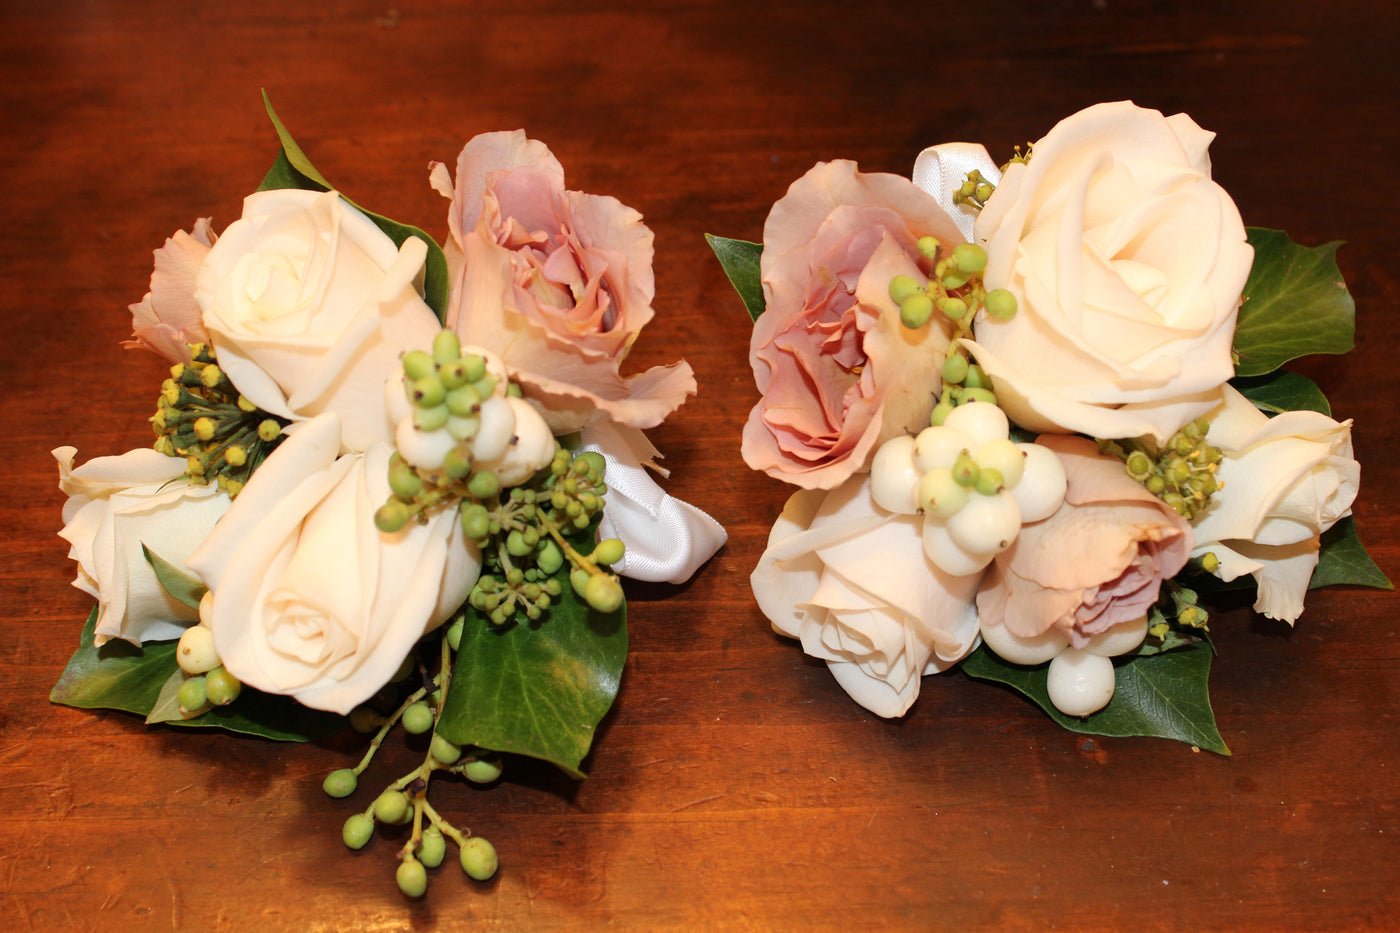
<point>734,785</point>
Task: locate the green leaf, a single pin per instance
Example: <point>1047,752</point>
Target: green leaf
<point>292,169</point>
<point>1282,391</point>
<point>740,260</point>
<point>125,677</point>
<point>1160,695</point>
<point>537,689</point>
<point>167,705</point>
<point>178,582</point>
<point>1296,303</point>
<point>1344,560</point>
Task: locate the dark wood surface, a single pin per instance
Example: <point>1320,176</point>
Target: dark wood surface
<point>734,786</point>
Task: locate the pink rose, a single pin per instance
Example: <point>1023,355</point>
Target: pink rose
<point>838,372</point>
<point>1098,561</point>
<point>557,283</point>
<point>168,318</point>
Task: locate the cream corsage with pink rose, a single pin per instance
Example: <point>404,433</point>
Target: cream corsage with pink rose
<point>1037,415</point>
<point>391,484</point>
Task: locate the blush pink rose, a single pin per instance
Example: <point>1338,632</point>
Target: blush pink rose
<point>557,283</point>
<point>838,372</point>
<point>1098,561</point>
<point>168,318</point>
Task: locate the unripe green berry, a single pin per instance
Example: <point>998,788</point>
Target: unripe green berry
<point>965,470</point>
<point>970,257</point>
<point>191,694</point>
<point>977,378</point>
<point>955,368</point>
<point>915,310</point>
<point>428,392</point>
<point>412,877</point>
<point>989,481</point>
<point>550,558</point>
<point>444,751</point>
<point>453,374</point>
<point>1138,465</point>
<point>482,770</point>
<point>391,807</point>
<point>928,247</point>
<point>463,400</point>
<point>365,720</point>
<point>417,364</point>
<point>476,521</point>
<point>609,551</point>
<point>221,687</point>
<point>430,419</point>
<point>454,634</point>
<point>446,347</point>
<point>594,461</point>
<point>357,831</point>
<point>940,413</point>
<point>432,848</point>
<point>340,783</point>
<point>603,593</point>
<point>483,485</point>
<point>1000,304</point>
<point>418,718</point>
<point>479,859</point>
<point>902,287</point>
<point>392,516</point>
<point>578,580</point>
<point>475,366</point>
<point>403,481</point>
<point>952,308</point>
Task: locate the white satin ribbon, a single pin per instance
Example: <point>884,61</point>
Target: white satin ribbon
<point>940,171</point>
<point>667,540</point>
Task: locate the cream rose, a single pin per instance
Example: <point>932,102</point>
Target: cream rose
<point>852,582</point>
<point>1127,262</point>
<point>117,504</point>
<point>310,599</point>
<point>1283,482</point>
<point>309,305</point>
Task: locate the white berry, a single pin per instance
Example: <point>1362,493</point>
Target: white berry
<point>893,478</point>
<point>986,524</point>
<point>1019,649</point>
<point>1080,683</point>
<point>938,447</point>
<point>1042,487</point>
<point>1120,639</point>
<point>981,421</point>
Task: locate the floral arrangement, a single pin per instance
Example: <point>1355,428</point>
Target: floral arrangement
<point>1036,413</point>
<point>391,483</point>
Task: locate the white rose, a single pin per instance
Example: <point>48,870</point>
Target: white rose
<point>117,504</point>
<point>852,582</point>
<point>310,598</point>
<point>309,305</point>
<point>1127,263</point>
<point>1284,481</point>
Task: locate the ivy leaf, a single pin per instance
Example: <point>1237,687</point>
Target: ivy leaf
<point>1296,303</point>
<point>292,169</point>
<point>1161,695</point>
<point>167,705</point>
<point>125,677</point>
<point>1344,560</point>
<point>1282,391</point>
<point>178,582</point>
<point>740,260</point>
<point>537,689</point>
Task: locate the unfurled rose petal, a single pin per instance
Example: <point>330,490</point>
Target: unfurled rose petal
<point>558,283</point>
<point>310,599</point>
<point>838,372</point>
<point>852,582</point>
<point>168,319</point>
<point>115,506</point>
<point>1097,562</point>
<point>310,305</point>
<point>1283,482</point>
<point>1127,263</point>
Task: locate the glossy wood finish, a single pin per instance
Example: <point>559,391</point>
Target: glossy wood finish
<point>734,786</point>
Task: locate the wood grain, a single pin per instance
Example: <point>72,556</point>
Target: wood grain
<point>734,786</point>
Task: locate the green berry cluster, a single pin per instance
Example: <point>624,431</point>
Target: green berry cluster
<point>955,290</point>
<point>198,692</point>
<point>975,190</point>
<point>1177,618</point>
<point>525,540</point>
<point>404,802</point>
<point>1181,472</point>
<point>202,417</point>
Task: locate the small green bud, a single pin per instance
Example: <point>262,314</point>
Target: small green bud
<point>453,374</point>
<point>989,481</point>
<point>269,430</point>
<point>235,456</point>
<point>952,308</point>
<point>476,521</point>
<point>392,516</point>
<point>475,367</point>
<point>1138,465</point>
<point>955,368</point>
<point>430,419</point>
<point>428,392</point>
<point>965,470</point>
<point>940,413</point>
<point>204,428</point>
<point>454,634</point>
<point>484,485</point>
<point>977,378</point>
<point>403,481</point>
<point>550,558</point>
<point>463,401</point>
<point>1210,562</point>
<point>928,247</point>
